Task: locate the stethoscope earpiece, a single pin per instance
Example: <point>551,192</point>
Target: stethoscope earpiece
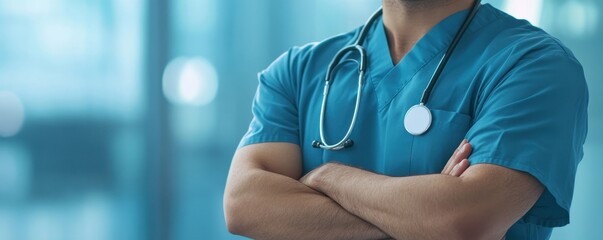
<point>315,144</point>
<point>348,143</point>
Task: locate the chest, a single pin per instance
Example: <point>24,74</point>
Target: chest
<point>381,143</point>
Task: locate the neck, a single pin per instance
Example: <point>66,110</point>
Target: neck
<point>407,21</point>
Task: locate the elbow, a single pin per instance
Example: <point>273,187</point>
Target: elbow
<point>468,228</point>
<point>233,221</point>
<point>234,216</point>
<point>240,218</point>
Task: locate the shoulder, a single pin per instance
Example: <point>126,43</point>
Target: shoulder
<point>518,63</point>
<point>515,50</point>
<point>311,57</point>
<point>518,39</point>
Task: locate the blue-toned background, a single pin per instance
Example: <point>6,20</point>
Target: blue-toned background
<point>118,118</point>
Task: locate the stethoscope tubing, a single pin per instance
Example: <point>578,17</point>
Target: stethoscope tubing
<point>342,143</point>
<point>455,41</point>
<point>357,46</point>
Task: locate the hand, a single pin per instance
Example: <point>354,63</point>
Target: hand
<point>313,178</point>
<point>458,162</point>
<point>456,165</point>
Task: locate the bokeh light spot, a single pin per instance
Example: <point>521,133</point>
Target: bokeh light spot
<point>190,81</point>
<point>579,18</point>
<point>529,10</point>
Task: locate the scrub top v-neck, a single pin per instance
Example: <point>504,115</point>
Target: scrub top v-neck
<point>513,91</point>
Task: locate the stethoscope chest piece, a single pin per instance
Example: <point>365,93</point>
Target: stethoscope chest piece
<point>417,119</point>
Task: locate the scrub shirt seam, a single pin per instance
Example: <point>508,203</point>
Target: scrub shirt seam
<point>412,144</point>
<point>549,219</point>
<point>431,58</point>
<point>372,73</point>
<point>297,92</point>
<point>511,72</point>
<point>560,46</point>
<point>398,90</point>
<point>545,221</point>
<point>266,139</point>
<point>477,28</point>
<point>374,87</point>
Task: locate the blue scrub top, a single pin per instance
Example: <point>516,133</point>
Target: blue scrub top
<point>516,93</point>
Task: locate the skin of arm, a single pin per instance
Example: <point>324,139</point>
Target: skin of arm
<point>264,199</point>
<point>483,203</point>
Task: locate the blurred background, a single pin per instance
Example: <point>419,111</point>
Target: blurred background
<point>118,118</point>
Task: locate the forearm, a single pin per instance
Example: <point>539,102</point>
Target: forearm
<point>273,206</point>
<point>372,197</point>
<point>429,206</point>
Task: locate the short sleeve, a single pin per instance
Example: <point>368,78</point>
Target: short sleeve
<point>535,120</point>
<point>274,108</point>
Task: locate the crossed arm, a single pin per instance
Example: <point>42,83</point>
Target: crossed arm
<point>264,199</point>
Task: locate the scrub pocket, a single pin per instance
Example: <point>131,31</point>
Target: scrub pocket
<point>431,150</point>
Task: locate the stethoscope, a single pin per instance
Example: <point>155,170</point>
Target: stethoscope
<point>417,119</point>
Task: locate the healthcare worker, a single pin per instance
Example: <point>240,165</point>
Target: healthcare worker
<point>361,144</point>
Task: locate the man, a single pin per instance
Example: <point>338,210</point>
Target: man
<point>516,94</point>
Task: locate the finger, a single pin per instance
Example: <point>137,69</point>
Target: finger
<point>454,169</point>
<point>460,168</point>
<point>450,165</point>
<point>456,157</point>
<point>302,179</point>
<point>465,151</point>
<point>453,161</point>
